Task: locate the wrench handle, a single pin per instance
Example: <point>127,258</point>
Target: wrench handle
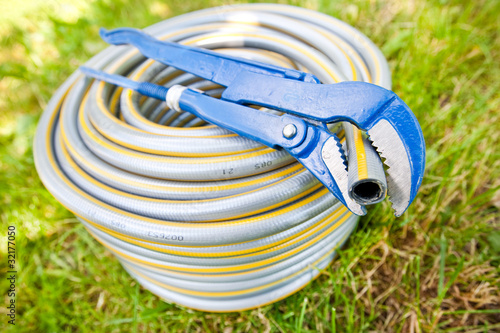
<point>216,67</point>
<point>257,125</point>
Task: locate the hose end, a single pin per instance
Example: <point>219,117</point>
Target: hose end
<point>368,191</point>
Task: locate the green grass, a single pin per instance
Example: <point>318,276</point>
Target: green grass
<point>434,269</point>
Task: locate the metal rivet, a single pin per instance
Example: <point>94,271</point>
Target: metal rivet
<point>289,131</point>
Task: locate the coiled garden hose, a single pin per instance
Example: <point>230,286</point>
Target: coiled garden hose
<point>198,215</point>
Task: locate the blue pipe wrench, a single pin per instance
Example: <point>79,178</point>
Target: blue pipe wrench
<point>308,107</point>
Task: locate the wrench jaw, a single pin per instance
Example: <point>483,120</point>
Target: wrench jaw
<point>398,138</point>
<point>322,154</point>
<point>334,158</point>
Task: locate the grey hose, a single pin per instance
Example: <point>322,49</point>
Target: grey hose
<point>198,215</point>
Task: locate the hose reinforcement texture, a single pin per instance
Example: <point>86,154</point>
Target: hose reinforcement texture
<point>198,215</point>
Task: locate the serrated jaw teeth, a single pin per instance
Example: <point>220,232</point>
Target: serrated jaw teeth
<point>391,148</point>
<point>334,159</point>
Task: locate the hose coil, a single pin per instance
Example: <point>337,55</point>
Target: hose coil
<point>198,215</point>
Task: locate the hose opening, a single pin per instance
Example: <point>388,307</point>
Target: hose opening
<point>368,192</point>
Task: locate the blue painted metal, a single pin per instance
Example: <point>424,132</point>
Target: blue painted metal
<point>210,65</point>
<point>363,104</point>
<point>145,88</point>
<point>290,91</point>
<point>265,128</point>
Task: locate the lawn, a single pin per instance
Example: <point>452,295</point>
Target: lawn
<point>436,268</point>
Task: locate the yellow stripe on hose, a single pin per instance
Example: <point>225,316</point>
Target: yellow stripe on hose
<point>281,41</point>
<point>289,171</point>
<point>147,219</point>
<point>377,76</point>
<point>238,292</point>
<point>345,46</point>
<point>114,99</point>
<point>136,114</point>
<point>144,156</point>
<point>169,153</point>
<point>293,239</point>
<point>360,154</point>
<point>113,190</point>
<point>233,268</point>
<point>104,205</point>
